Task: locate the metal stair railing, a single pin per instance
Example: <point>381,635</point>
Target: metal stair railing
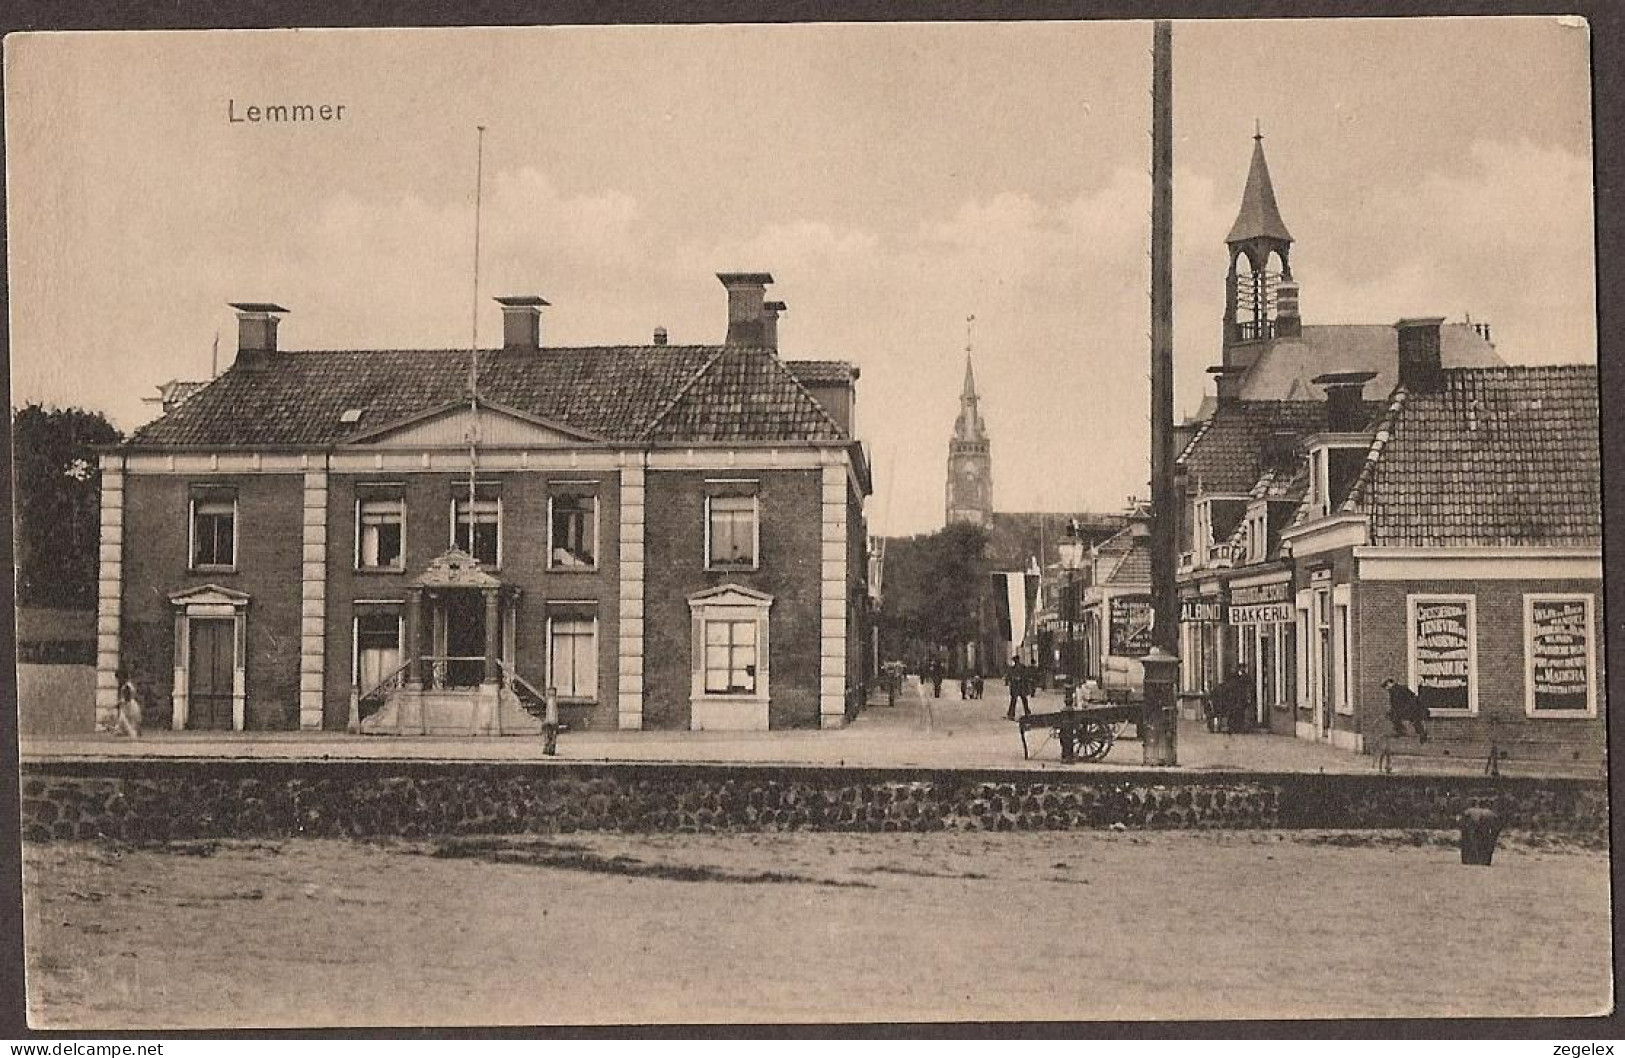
<point>390,682</point>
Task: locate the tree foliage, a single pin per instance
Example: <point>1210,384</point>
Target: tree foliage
<point>56,490</point>
<point>933,591</point>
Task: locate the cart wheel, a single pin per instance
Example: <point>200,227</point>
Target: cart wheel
<point>1095,740</point>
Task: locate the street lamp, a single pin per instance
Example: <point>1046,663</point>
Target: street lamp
<point>1071,549</point>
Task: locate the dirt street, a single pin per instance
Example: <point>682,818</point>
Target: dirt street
<point>809,927</point>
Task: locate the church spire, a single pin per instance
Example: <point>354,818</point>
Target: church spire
<point>970,466</point>
<point>1260,217</point>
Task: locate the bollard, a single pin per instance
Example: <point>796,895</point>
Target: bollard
<point>1480,829</point>
<point>1069,732</point>
<point>550,723</point>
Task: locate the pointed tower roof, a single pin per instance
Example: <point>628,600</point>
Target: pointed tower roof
<point>1259,216</point>
<point>969,425</point>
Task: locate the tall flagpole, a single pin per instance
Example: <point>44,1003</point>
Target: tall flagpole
<point>474,342</point>
<point>1159,728</point>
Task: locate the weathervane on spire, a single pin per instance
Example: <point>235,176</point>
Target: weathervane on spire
<point>1258,131</point>
<point>968,321</point>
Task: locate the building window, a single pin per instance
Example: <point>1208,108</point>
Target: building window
<point>730,656</point>
<point>572,657</point>
<point>214,532</point>
<point>1560,677</point>
<point>377,647</point>
<point>1442,644</point>
<point>1345,649</point>
<point>732,536</point>
<point>380,534</point>
<point>572,531</point>
<point>487,526</point>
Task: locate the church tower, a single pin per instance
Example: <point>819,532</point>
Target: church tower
<point>970,463</point>
<point>1261,297</point>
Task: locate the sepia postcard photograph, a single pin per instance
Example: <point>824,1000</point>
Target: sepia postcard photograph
<point>808,524</point>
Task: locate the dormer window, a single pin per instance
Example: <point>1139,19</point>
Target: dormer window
<point>1333,470</point>
<point>1256,535</point>
<point>1214,521</point>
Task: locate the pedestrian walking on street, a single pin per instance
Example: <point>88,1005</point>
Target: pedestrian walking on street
<point>1404,705</point>
<point>936,677</point>
<point>1020,679</point>
<point>128,722</point>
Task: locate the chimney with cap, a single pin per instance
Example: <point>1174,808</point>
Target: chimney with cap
<point>1345,410</point>
<point>522,321</point>
<point>1288,323</point>
<point>1421,368</point>
<point>661,336</point>
<point>1227,383</point>
<point>256,331</point>
<point>747,292</point>
<point>770,324</point>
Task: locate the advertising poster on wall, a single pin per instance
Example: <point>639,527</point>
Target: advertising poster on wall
<point>1560,655</point>
<point>1131,626</point>
<point>1443,662</point>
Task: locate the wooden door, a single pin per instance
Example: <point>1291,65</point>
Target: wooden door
<point>210,669</point>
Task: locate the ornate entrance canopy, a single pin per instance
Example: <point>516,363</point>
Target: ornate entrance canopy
<point>456,569</point>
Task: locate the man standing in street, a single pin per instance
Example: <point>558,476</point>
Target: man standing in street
<point>1403,705</point>
<point>1020,688</point>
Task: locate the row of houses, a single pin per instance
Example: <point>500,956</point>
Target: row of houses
<point>426,541</point>
<point>1372,502</point>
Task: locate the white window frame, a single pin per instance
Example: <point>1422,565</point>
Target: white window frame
<point>1303,664</point>
<point>731,602</point>
<point>355,642</point>
<point>597,657</point>
<point>452,536</point>
<point>191,538</point>
<point>1343,650</point>
<point>1422,599</point>
<point>400,564</point>
<point>597,512</point>
<point>1590,711</point>
<point>756,536</point>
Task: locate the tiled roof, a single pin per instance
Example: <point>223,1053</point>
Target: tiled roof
<point>744,394</point>
<point>1501,456</point>
<point>614,392</point>
<point>1284,366</point>
<point>1228,455</point>
<point>1283,482</point>
<point>1132,568</point>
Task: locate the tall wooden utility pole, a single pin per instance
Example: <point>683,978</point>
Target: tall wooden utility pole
<point>1159,729</point>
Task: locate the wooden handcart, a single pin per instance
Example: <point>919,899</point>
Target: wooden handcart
<point>1090,731</point>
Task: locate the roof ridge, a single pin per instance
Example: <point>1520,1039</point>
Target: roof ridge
<point>682,391</point>
<point>1379,441</point>
<point>805,392</point>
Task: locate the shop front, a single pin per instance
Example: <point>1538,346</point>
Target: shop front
<point>1207,646</point>
<point>1261,612</point>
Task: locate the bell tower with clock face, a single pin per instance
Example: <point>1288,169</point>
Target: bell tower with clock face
<point>970,462</point>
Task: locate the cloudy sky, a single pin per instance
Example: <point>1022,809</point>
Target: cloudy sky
<point>894,178</point>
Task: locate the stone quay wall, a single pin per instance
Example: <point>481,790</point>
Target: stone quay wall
<point>164,799</point>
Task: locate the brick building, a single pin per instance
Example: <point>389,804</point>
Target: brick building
<point>1459,553</point>
<point>1446,533</point>
<point>671,536</point>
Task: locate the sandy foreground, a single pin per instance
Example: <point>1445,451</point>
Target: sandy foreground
<point>603,928</point>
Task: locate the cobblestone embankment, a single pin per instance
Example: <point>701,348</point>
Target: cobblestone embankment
<point>189,799</point>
